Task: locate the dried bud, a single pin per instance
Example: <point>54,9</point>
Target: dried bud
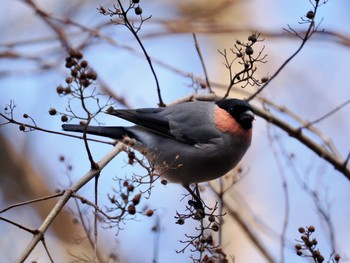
<point>25,115</point>
<point>311,229</point>
<point>209,240</point>
<point>131,209</point>
<point>320,259</point>
<point>149,212</point>
<point>215,227</point>
<point>164,182</point>
<point>253,38</point>
<point>102,10</point>
<point>22,127</point>
<point>91,75</point>
<point>199,214</point>
<point>84,64</point>
<point>316,253</point>
<point>138,10</point>
<point>69,80</point>
<point>264,79</point>
<point>304,238</point>
<point>74,72</point>
<point>59,89</point>
<point>110,110</point>
<point>131,156</point>
<point>67,90</point>
<point>308,244</point>
<point>211,218</point>
<point>69,64</point>
<point>310,15</point>
<point>249,50</point>
<point>301,230</point>
<point>131,188</point>
<point>64,118</point>
<point>76,54</point>
<point>52,111</point>
<point>85,83</point>
<point>298,246</point>
<point>180,221</point>
<point>124,197</point>
<point>136,199</point>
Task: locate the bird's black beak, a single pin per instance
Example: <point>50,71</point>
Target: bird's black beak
<point>246,119</point>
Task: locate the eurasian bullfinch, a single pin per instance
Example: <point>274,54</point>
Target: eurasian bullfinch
<point>189,142</point>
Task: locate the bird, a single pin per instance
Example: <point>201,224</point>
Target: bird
<point>186,143</point>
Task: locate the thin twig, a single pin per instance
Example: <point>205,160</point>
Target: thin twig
<point>328,114</point>
<point>32,127</point>
<point>47,250</point>
<point>31,201</point>
<point>95,217</point>
<point>202,62</point>
<point>148,58</point>
<point>18,225</point>
<point>84,225</point>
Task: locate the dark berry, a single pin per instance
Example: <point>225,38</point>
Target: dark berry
<point>138,10</point>
<point>52,111</point>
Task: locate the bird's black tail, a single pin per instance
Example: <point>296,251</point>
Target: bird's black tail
<point>111,132</point>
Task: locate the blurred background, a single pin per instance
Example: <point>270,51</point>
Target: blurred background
<point>283,186</point>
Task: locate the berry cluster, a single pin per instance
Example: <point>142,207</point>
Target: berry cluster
<point>81,77</point>
<point>80,73</point>
<point>127,202</point>
<point>307,246</point>
<point>244,53</point>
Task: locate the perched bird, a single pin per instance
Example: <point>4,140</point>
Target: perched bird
<point>189,142</point>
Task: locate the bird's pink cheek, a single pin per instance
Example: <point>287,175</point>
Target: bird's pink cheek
<point>226,123</point>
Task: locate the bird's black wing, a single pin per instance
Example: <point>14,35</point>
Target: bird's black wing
<point>150,118</point>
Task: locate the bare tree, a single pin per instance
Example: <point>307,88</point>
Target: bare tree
<point>70,61</point>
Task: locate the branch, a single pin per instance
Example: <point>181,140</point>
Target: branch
<point>297,133</point>
<point>39,235</point>
<point>34,127</point>
<point>202,62</point>
<point>329,113</point>
<point>48,20</point>
<point>306,37</point>
<point>31,201</point>
<point>134,32</point>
